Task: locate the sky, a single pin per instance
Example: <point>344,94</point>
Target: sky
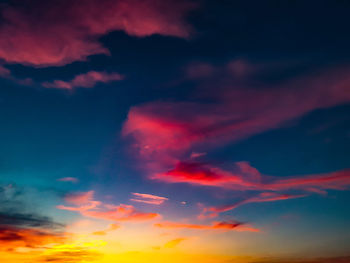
<point>174,131</point>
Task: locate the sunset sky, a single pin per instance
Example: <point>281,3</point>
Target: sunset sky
<point>174,131</point>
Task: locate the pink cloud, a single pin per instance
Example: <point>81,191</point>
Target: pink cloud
<point>225,226</point>
<point>248,178</point>
<point>87,80</point>
<point>79,198</point>
<point>86,206</point>
<point>148,199</point>
<point>68,179</point>
<point>59,32</point>
<point>120,213</point>
<point>4,72</point>
<point>164,134</point>
<point>210,212</point>
<point>166,131</point>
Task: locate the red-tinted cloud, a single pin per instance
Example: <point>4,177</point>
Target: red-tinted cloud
<point>248,178</point>
<point>86,206</point>
<point>14,237</point>
<point>226,226</point>
<point>165,132</point>
<point>58,32</point>
<point>148,199</point>
<point>87,80</point>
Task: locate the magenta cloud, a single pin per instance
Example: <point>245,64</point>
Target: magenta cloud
<point>57,32</point>
<point>86,80</point>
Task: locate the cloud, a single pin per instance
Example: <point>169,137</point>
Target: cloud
<point>69,179</point>
<point>79,198</point>
<point>164,134</point>
<point>210,212</point>
<point>120,213</point>
<point>249,178</point>
<point>225,226</point>
<point>87,80</point>
<point>22,228</point>
<point>110,228</point>
<point>58,32</point>
<point>149,199</point>
<point>86,206</point>
<point>71,254</point>
<point>14,237</point>
<point>4,72</point>
<point>174,242</point>
<point>10,218</point>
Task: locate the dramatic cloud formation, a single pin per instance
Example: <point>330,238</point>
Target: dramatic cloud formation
<point>19,229</point>
<point>14,237</point>
<point>87,80</point>
<point>86,206</point>
<point>167,131</point>
<point>55,33</point>
<point>226,226</point>
<point>148,199</point>
<point>165,134</point>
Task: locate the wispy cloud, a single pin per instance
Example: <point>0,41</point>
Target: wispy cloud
<point>250,179</point>
<point>166,133</point>
<point>210,212</point>
<point>86,80</point>
<point>110,228</point>
<point>225,226</point>
<point>68,179</point>
<point>148,199</point>
<point>86,206</point>
<point>174,242</point>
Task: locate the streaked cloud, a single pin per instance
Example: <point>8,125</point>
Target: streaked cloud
<point>68,179</point>
<point>225,226</point>
<point>210,212</point>
<point>148,199</point>
<point>250,179</point>
<point>86,80</point>
<point>85,204</point>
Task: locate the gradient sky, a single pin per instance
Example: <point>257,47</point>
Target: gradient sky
<point>174,131</point>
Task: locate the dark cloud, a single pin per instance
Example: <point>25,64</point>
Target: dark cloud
<point>28,220</point>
